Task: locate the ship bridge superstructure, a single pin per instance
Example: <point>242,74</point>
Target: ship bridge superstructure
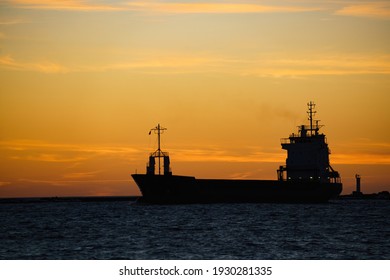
<point>307,154</point>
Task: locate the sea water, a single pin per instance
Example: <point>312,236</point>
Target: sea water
<point>340,229</point>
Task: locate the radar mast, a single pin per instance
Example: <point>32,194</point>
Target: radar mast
<point>311,106</point>
<point>158,153</point>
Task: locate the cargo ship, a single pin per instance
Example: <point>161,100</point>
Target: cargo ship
<point>307,176</point>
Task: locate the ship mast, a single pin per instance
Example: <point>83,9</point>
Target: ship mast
<point>311,105</point>
<point>158,130</point>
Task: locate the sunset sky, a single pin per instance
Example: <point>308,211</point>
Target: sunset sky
<point>83,82</point>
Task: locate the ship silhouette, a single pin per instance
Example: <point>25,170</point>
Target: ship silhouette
<point>307,176</point>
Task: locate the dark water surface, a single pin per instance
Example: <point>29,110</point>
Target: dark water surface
<point>340,229</point>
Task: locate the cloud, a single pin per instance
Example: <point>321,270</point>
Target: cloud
<point>178,63</point>
<point>36,167</point>
<point>153,62</point>
<point>242,175</point>
<point>204,7</point>
<point>44,67</point>
<point>363,151</point>
<point>221,155</point>
<point>11,22</point>
<point>48,157</point>
<point>268,65</point>
<point>365,155</point>
<point>360,158</point>
<point>162,61</point>
<point>370,9</point>
<point>68,5</point>
<point>52,152</point>
<point>213,8</point>
<point>379,9</point>
<point>81,175</point>
<point>314,65</point>
<point>69,182</point>
<point>356,152</point>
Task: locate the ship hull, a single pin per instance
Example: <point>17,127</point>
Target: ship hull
<point>174,189</point>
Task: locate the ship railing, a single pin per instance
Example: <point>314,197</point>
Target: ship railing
<point>299,139</point>
<point>294,139</point>
<point>285,140</point>
<point>159,154</point>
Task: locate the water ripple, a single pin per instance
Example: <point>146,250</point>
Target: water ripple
<point>121,230</point>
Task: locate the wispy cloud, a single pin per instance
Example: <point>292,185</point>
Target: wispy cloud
<point>314,65</point>
<point>45,67</point>
<point>216,154</point>
<point>11,22</point>
<point>54,150</point>
<point>80,169</point>
<point>378,9</point>
<point>355,154</point>
<point>360,158</point>
<point>49,157</point>
<point>363,151</point>
<point>4,184</point>
<point>81,175</point>
<point>172,7</point>
<point>68,5</point>
<point>178,63</point>
<point>357,151</point>
<point>165,62</point>
<point>242,175</point>
<point>65,182</point>
<point>369,9</point>
<point>268,65</point>
<point>214,7</point>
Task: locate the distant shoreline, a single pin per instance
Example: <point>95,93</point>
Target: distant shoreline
<point>383,195</point>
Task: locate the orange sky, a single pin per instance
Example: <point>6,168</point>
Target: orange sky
<point>82,82</point>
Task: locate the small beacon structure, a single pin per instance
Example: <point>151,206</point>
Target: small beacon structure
<point>358,191</point>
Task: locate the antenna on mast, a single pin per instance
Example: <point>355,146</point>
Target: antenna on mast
<point>158,130</point>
